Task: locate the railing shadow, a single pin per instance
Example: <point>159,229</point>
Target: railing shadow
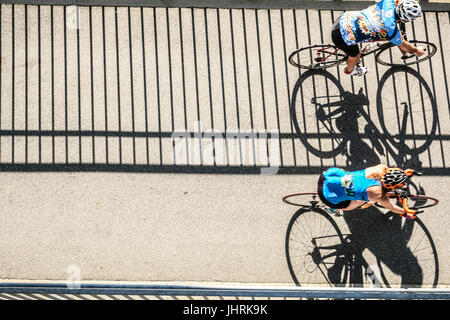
<point>71,110</point>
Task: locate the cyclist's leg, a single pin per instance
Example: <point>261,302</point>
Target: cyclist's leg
<point>353,52</point>
<point>354,204</point>
<point>352,61</point>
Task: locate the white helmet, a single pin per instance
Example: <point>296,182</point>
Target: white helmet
<point>408,10</point>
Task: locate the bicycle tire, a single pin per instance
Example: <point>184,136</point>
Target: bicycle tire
<point>385,55</point>
<point>383,112</point>
<point>299,105</point>
<point>288,199</point>
<point>295,60</point>
<point>420,201</point>
<point>303,261</point>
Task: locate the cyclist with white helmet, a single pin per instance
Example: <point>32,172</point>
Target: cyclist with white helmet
<point>342,190</point>
<point>377,22</point>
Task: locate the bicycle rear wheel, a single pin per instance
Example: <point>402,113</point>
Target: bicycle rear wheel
<point>315,249</point>
<point>392,56</point>
<point>317,57</point>
<point>295,198</point>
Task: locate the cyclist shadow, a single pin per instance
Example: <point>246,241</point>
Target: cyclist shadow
<point>359,153</point>
<point>396,246</point>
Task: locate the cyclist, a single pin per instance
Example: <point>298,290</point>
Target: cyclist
<point>377,22</point>
<point>343,190</point>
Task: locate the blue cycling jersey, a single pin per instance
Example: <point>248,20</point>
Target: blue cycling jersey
<point>377,22</point>
<point>340,185</point>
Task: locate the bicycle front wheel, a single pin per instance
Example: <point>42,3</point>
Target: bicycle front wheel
<point>317,57</point>
<point>299,199</point>
<point>315,249</point>
<point>418,202</point>
<point>392,56</point>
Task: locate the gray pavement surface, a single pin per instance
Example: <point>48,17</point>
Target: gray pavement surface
<point>103,169</point>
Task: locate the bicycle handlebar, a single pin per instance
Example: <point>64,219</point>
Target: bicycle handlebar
<point>404,202</point>
<point>402,195</point>
<point>412,172</point>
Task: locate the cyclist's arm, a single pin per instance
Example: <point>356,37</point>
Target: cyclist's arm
<point>398,38</point>
<point>376,194</point>
<point>386,203</point>
<point>402,28</point>
<point>405,46</point>
<point>376,172</point>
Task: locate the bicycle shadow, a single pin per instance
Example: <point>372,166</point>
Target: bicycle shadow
<point>327,119</point>
<point>404,249</point>
<point>380,250</point>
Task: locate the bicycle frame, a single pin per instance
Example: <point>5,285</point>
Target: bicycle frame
<point>363,54</point>
<point>331,54</point>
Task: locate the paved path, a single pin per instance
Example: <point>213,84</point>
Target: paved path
<point>103,167</point>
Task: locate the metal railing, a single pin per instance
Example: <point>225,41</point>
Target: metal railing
<point>59,291</point>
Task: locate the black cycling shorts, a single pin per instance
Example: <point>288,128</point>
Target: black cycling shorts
<point>339,42</point>
<point>340,205</point>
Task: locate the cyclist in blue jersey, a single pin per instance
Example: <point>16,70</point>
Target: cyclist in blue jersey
<point>342,190</point>
<point>378,22</point>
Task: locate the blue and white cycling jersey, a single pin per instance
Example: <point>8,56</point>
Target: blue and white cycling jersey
<point>340,185</point>
<point>377,22</point>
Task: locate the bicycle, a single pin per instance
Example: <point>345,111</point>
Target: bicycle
<point>316,249</point>
<point>322,56</point>
<point>402,195</point>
